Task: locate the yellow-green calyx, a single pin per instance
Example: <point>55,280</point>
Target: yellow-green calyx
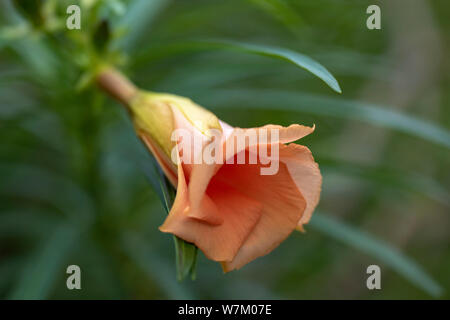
<point>154,118</point>
<point>152,113</point>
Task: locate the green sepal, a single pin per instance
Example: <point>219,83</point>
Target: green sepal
<point>185,252</point>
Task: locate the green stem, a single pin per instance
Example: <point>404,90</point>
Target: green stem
<point>116,85</point>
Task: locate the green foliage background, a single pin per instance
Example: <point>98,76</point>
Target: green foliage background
<point>74,180</point>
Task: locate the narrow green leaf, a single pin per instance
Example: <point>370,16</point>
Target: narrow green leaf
<point>326,106</point>
<point>185,252</point>
<point>298,59</point>
<point>186,258</point>
<point>201,75</point>
<point>151,169</point>
<point>377,249</point>
<point>45,266</point>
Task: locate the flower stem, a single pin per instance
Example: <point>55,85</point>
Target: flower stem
<point>117,85</point>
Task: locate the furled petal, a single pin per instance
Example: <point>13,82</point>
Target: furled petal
<point>282,208</point>
<point>202,173</point>
<point>199,173</point>
<point>285,134</point>
<point>218,242</point>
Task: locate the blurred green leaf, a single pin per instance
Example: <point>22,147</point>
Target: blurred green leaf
<point>137,19</point>
<point>32,9</point>
<point>102,35</point>
<point>391,178</point>
<point>43,186</point>
<point>26,222</point>
<point>45,266</point>
<point>150,168</point>
<point>8,270</point>
<point>30,47</point>
<point>282,11</point>
<point>327,106</point>
<point>12,33</point>
<point>377,249</point>
<point>296,58</point>
<point>201,75</point>
<point>156,268</point>
<point>116,6</point>
<point>40,59</point>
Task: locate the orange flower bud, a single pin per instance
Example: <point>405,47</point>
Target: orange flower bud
<point>233,211</point>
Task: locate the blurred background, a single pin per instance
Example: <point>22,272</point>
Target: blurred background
<point>73,181</point>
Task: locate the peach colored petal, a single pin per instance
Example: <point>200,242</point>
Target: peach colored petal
<point>292,133</point>
<point>226,129</point>
<point>282,208</point>
<point>199,175</point>
<point>206,210</point>
<point>306,175</point>
<point>285,134</point>
<point>195,149</point>
<point>218,242</point>
<point>202,173</point>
